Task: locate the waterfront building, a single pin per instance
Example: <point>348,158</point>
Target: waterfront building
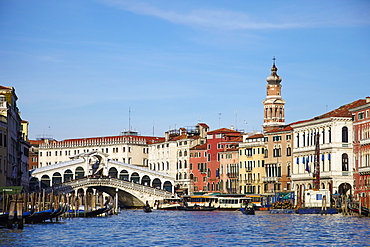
<point>229,170</point>
<point>278,159</point>
<point>252,164</point>
<point>33,161</point>
<point>129,148</point>
<point>217,141</point>
<point>198,168</point>
<point>278,137</point>
<point>172,155</point>
<point>336,151</point>
<point>361,152</point>
<point>13,141</point>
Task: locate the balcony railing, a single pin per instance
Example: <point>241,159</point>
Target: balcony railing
<point>365,141</point>
<point>270,179</point>
<point>364,169</point>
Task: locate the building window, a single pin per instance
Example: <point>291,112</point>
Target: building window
<point>277,152</point>
<point>297,140</point>
<point>344,162</point>
<point>360,116</point>
<point>276,138</point>
<point>289,151</point>
<point>345,134</point>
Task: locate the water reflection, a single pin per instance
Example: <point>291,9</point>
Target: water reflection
<point>179,228</point>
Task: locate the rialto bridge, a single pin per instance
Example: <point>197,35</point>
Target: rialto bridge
<point>132,185</point>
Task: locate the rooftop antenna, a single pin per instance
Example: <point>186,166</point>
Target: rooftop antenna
<point>219,120</point>
<point>129,119</point>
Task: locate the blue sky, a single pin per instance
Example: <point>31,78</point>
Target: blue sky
<point>78,66</point>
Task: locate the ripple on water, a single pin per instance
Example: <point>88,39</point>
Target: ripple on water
<point>178,228</point>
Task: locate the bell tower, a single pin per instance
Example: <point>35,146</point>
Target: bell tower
<point>273,115</point>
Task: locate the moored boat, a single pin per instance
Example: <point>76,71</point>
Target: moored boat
<point>92,213</point>
<point>197,208</point>
<point>354,207</point>
<point>317,211</point>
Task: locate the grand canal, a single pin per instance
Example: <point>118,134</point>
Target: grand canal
<point>179,228</point>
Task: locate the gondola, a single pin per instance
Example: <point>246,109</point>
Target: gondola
<point>40,216</point>
<point>86,214</point>
<point>4,217</point>
<point>354,207</point>
<point>147,209</point>
<point>248,211</point>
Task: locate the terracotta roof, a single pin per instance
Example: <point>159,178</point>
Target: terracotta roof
<point>200,147</point>
<point>255,136</point>
<point>280,129</point>
<point>343,111</point>
<point>223,131</point>
<point>35,142</point>
<point>148,139</point>
<point>180,137</point>
<point>204,125</point>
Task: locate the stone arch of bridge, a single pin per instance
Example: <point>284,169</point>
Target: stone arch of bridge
<point>128,194</point>
<point>97,164</point>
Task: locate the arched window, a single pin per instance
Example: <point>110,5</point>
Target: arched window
<point>345,134</point>
<point>113,173</point>
<point>57,178</point>
<point>79,173</point>
<point>124,175</point>
<point>68,175</point>
<point>344,162</point>
<point>45,181</point>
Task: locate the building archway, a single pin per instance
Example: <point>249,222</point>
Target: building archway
<point>79,173</point>
<point>123,175</point>
<point>68,175</point>
<point>56,179</point>
<point>45,181</point>
<point>135,177</point>
<point>344,188</point>
<point>157,183</point>
<point>113,173</point>
<point>145,180</point>
<point>167,186</point>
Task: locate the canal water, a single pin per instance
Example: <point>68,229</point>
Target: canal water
<point>184,228</point>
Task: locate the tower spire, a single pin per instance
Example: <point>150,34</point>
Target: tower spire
<point>273,104</point>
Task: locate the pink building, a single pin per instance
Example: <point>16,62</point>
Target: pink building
<point>361,150</point>
<point>218,141</point>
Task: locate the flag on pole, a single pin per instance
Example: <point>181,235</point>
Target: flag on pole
<point>307,167</point>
